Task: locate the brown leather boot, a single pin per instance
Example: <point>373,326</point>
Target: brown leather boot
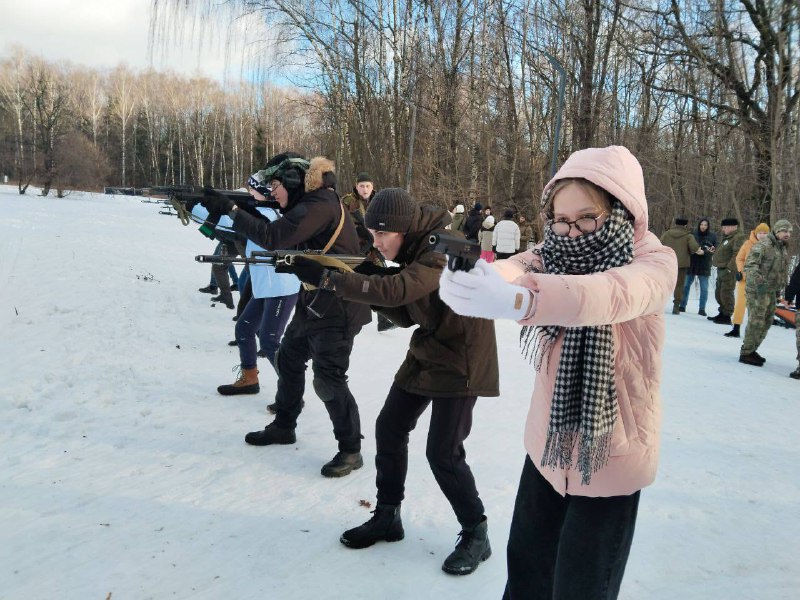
<point>246,383</point>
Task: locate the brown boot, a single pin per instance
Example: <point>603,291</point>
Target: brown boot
<point>246,383</point>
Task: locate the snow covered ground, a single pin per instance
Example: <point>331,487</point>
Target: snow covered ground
<point>124,475</point>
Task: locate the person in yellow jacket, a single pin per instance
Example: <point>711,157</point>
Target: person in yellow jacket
<point>759,233</point>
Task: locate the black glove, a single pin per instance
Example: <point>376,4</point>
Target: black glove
<point>370,268</point>
<point>216,203</point>
<point>305,269</point>
<point>739,276</point>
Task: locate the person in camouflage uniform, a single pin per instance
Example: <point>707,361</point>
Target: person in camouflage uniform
<point>765,271</point>
<point>683,243</point>
<point>725,261</point>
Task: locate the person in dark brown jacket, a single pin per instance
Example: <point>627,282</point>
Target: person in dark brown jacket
<point>451,361</point>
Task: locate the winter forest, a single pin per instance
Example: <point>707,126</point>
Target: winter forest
<point>459,100</point>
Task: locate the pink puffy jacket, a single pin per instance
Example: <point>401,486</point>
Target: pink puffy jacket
<point>632,299</point>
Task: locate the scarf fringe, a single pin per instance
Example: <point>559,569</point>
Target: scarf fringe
<point>536,343</point>
<point>593,452</point>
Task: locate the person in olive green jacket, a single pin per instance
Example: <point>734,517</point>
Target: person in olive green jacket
<point>766,271</point>
<point>725,261</point>
<point>683,243</point>
<point>451,361</point>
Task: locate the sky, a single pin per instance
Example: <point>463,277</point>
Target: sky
<point>124,475</point>
<point>100,34</point>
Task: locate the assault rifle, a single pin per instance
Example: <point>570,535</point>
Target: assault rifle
<point>184,198</point>
<point>461,253</point>
<point>341,262</point>
<point>322,299</point>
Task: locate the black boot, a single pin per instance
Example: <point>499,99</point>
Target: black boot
<point>384,526</point>
<point>271,434</point>
<point>273,408</point>
<point>759,357</point>
<point>750,359</point>
<point>342,464</point>
<point>722,319</point>
<point>472,549</point>
<point>209,289</point>
<point>226,299</point>
<point>733,332</point>
<point>795,374</point>
<point>702,313</point>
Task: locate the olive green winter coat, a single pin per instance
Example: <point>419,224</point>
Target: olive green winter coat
<point>682,242</point>
<point>727,249</point>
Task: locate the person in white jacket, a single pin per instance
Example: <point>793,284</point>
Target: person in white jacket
<point>505,238</point>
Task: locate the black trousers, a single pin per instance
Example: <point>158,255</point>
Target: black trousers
<point>329,351</point>
<point>567,548</point>
<point>451,422</point>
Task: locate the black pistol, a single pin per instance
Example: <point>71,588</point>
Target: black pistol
<point>461,253</point>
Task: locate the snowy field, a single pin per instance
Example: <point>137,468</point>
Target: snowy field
<point>125,476</point>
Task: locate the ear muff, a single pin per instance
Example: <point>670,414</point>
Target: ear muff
<point>292,178</point>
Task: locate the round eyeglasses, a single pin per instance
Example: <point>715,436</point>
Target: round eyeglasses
<point>584,225</point>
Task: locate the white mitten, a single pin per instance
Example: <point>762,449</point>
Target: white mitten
<point>482,292</point>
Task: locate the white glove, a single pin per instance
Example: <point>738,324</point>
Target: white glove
<point>482,292</point>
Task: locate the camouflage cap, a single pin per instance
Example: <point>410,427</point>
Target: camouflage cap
<point>782,225</point>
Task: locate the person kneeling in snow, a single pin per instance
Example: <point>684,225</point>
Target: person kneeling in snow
<point>451,360</point>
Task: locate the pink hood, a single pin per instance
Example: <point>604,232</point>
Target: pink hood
<point>632,299</point>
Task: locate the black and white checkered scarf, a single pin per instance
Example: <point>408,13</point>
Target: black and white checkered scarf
<point>584,406</point>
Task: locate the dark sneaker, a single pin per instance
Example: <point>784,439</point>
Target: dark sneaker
<point>227,300</point>
<point>734,333</point>
<point>471,550</point>
<point>682,309</point>
<point>750,359</point>
<point>702,313</point>
<point>273,408</point>
<point>233,343</point>
<point>209,289</point>
<point>271,434</point>
<point>342,464</point>
<point>795,374</point>
<point>384,526</point>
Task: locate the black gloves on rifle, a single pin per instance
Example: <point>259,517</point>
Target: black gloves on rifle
<point>215,203</point>
<point>306,270</point>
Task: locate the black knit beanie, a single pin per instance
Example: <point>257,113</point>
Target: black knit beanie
<point>681,221</point>
<point>392,209</point>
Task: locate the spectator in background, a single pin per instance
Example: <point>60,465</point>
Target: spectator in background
<point>458,218</point>
<point>485,238</point>
<point>725,261</point>
<point>700,265</point>
<point>472,225</point>
<point>683,243</point>
<point>758,234</point>
<point>525,233</point>
<point>765,275</point>
<point>506,237</point>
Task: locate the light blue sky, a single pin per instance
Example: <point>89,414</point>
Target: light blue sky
<point>101,34</point>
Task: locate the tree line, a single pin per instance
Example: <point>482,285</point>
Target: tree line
<point>460,100</point>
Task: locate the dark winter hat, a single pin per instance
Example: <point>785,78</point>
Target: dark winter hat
<point>363,176</point>
<point>729,221</point>
<point>392,209</point>
<point>258,182</point>
<point>681,221</point>
<point>509,214</point>
<point>478,206</point>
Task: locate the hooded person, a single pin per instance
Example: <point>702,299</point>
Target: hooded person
<point>472,224</point>
<point>590,299</point>
<point>685,245</point>
<point>458,218</point>
<point>451,360</point>
<point>312,218</point>
<point>765,273</point>
<point>700,265</point>
<point>759,233</point>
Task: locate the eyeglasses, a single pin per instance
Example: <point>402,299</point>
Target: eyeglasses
<point>276,185</point>
<point>584,225</point>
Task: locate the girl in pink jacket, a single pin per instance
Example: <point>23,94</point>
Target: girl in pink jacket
<point>591,299</point>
